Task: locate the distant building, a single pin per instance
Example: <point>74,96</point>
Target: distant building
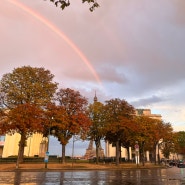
<point>91,151</point>
<point>147,112</point>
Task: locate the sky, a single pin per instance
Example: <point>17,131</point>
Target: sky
<point>128,49</point>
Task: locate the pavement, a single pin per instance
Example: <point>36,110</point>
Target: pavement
<point>74,166</point>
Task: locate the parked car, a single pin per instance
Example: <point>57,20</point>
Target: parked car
<point>173,163</point>
<point>181,164</point>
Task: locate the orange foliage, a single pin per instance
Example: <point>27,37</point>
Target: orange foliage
<point>25,118</point>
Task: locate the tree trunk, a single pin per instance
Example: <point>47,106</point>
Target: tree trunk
<point>120,159</point>
<point>128,153</point>
<point>97,143</point>
<point>155,153</point>
<point>63,153</point>
<point>21,150</point>
<point>143,154</point>
<point>117,153</point>
<point>158,155</point>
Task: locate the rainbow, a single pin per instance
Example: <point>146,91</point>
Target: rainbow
<point>57,31</point>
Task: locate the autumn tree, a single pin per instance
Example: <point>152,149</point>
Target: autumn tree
<point>78,122</point>
<point>119,120</point>
<point>3,120</point>
<point>144,135</point>
<point>55,117</point>
<point>27,85</point>
<point>65,3</point>
<point>161,132</point>
<point>129,137</point>
<point>25,119</point>
<point>21,91</point>
<point>97,129</point>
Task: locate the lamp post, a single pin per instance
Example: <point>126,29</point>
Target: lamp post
<point>137,153</point>
<point>75,138</point>
<point>46,159</point>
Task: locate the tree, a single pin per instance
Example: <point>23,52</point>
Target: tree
<point>27,85</point>
<point>55,119</point>
<point>161,132</point>
<point>65,3</point>
<point>119,114</point>
<point>152,136</point>
<point>167,144</point>
<point>3,120</point>
<point>78,122</point>
<point>179,141</point>
<point>97,129</point>
<point>24,90</point>
<point>129,137</point>
<point>144,135</point>
<point>167,148</point>
<point>25,119</point>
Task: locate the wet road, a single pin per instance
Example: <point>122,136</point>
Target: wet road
<point>170,176</point>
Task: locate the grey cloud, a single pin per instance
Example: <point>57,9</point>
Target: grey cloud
<point>147,101</point>
<point>110,73</point>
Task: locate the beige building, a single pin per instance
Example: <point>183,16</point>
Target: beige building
<point>147,112</point>
<point>35,146</point>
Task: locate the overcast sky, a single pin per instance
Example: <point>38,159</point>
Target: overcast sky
<point>127,49</point>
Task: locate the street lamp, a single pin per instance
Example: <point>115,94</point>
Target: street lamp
<point>137,153</point>
<point>75,138</point>
<point>46,159</point>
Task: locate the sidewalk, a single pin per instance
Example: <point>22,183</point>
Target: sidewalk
<point>74,166</point>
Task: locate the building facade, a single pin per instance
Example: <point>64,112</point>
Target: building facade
<point>35,145</point>
<point>147,112</point>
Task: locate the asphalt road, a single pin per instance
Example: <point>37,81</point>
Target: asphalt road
<point>169,176</point>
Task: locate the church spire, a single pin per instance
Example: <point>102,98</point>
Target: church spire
<point>95,98</point>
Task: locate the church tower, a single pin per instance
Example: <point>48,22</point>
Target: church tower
<point>95,98</point>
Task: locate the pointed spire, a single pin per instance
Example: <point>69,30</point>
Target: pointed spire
<point>95,98</point>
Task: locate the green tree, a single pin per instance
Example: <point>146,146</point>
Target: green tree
<point>167,148</point>
<point>167,145</point>
<point>119,119</point>
<point>78,122</point>
<point>97,129</point>
<point>179,142</point>
<point>65,3</point>
<point>25,88</point>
